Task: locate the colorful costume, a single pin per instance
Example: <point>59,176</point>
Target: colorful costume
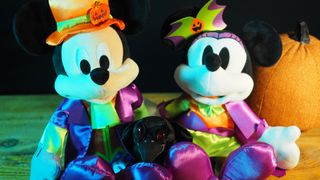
<point>71,124</point>
<point>216,77</point>
<point>218,129</point>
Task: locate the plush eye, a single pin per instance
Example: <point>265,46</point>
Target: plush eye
<point>104,57</point>
<point>85,66</point>
<point>104,62</point>
<point>140,132</point>
<point>161,135</point>
<point>224,56</point>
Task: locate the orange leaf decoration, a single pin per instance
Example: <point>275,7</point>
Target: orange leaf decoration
<point>99,13</point>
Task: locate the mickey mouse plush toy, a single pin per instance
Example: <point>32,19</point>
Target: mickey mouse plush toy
<point>216,77</point>
<point>94,74</point>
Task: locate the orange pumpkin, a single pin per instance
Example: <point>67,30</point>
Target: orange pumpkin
<point>99,13</point>
<point>288,93</point>
<point>197,26</point>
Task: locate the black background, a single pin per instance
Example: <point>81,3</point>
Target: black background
<point>21,73</point>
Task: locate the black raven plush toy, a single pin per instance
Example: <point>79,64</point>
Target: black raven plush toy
<point>150,138</point>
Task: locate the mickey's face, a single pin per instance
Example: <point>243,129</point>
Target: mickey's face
<point>94,66</point>
<point>213,74</point>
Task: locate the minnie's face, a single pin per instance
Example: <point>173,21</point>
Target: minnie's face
<point>214,73</point>
<point>94,66</point>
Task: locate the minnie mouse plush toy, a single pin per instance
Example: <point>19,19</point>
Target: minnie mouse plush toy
<point>216,77</point>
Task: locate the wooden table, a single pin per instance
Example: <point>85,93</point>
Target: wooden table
<point>23,119</point>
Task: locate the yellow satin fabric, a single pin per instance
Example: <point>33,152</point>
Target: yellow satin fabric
<point>54,139</point>
<point>214,145</point>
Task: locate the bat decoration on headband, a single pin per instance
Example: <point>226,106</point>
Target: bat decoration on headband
<point>209,18</point>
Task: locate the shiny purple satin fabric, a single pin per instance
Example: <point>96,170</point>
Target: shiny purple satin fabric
<point>70,112</point>
<point>80,136</point>
<point>90,167</point>
<point>128,100</point>
<point>249,127</point>
<point>144,171</point>
<point>72,115</point>
<point>188,161</point>
<point>251,161</point>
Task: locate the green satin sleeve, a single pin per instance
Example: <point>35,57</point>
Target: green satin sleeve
<point>141,112</point>
<point>214,145</point>
<point>177,107</point>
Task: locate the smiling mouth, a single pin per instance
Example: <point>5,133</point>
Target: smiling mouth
<point>197,28</point>
<point>210,97</point>
<point>214,97</point>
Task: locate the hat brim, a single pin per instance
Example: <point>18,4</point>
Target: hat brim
<point>57,38</point>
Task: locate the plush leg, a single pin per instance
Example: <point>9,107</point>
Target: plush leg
<point>144,171</point>
<point>251,161</point>
<point>89,167</point>
<point>188,161</point>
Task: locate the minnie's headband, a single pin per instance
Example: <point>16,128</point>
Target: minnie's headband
<point>209,18</point>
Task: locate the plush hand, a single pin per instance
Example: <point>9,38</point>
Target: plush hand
<point>45,165</point>
<point>283,140</point>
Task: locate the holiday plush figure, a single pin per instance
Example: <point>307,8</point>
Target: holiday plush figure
<point>95,75</point>
<point>216,77</point>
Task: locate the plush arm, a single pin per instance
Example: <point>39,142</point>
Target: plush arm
<point>55,134</point>
<point>47,161</point>
<point>173,108</point>
<point>248,126</point>
<point>130,105</point>
<point>252,128</point>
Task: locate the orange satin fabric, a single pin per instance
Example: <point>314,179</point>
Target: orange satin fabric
<point>223,120</point>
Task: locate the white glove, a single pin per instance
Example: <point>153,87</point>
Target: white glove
<point>283,140</point>
<point>45,165</point>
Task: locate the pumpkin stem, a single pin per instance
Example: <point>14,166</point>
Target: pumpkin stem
<point>302,33</point>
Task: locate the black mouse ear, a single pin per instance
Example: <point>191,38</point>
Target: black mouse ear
<point>134,13</point>
<point>181,133</point>
<point>32,24</point>
<point>263,43</point>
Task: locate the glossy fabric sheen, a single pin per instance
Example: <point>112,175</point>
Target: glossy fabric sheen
<point>68,13</point>
<point>252,161</point>
<point>103,115</point>
<point>213,116</point>
<point>90,167</point>
<point>214,145</point>
<point>54,139</point>
<point>145,171</point>
<point>188,161</point>
<point>72,115</point>
<point>128,100</point>
<point>245,119</point>
<point>67,9</point>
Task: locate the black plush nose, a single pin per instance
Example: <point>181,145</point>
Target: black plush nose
<point>210,59</point>
<point>100,76</point>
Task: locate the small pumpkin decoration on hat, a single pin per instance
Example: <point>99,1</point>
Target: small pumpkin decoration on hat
<point>287,93</point>
<point>99,13</point>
